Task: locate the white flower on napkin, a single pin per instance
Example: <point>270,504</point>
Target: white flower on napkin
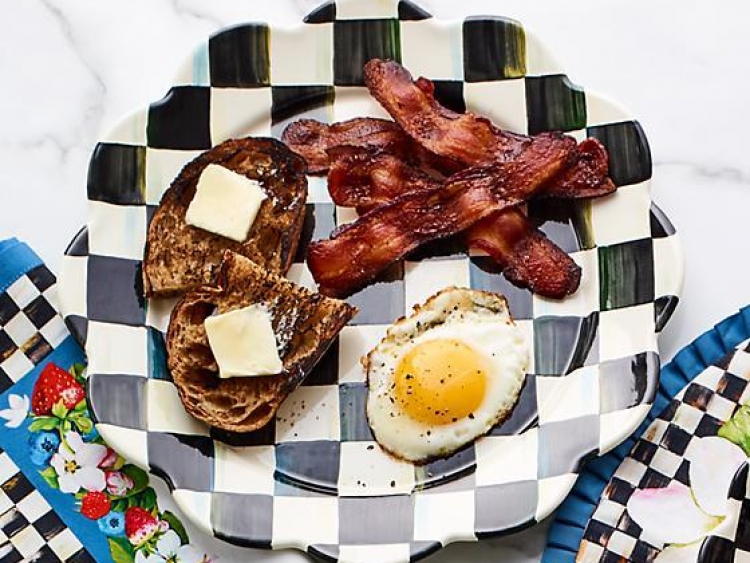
<point>169,549</point>
<point>118,484</point>
<point>680,517</point>
<point>17,412</point>
<point>77,464</point>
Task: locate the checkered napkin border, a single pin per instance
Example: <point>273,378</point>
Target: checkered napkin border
<point>30,530</point>
<point>30,329</point>
<point>700,389</point>
<point>596,340</point>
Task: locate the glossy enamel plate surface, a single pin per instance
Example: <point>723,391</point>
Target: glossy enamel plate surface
<point>315,479</point>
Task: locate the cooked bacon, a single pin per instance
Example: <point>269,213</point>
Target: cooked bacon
<point>587,177</point>
<point>364,178</point>
<point>506,169</point>
<point>528,258</point>
<point>464,137</point>
<point>312,140</point>
<point>359,251</point>
<point>387,145</point>
<point>472,139</point>
<point>438,139</point>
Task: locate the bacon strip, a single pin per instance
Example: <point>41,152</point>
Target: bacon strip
<point>365,178</point>
<point>587,178</point>
<point>528,258</point>
<point>313,139</point>
<point>359,251</point>
<point>472,139</point>
<point>465,137</point>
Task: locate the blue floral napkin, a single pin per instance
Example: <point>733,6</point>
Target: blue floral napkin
<point>64,495</point>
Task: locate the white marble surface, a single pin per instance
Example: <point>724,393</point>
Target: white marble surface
<point>71,67</point>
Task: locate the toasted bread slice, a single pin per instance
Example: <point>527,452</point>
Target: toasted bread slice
<point>180,257</point>
<point>305,324</point>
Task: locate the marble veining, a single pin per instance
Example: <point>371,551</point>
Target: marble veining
<point>187,10</point>
<point>726,173</point>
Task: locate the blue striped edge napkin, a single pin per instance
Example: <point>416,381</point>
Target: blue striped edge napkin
<point>571,519</point>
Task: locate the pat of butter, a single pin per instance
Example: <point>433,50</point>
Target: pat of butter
<point>225,203</point>
<point>243,342</point>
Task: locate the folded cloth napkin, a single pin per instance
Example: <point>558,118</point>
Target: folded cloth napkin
<point>713,348</point>
<point>15,260</point>
<point>64,495</point>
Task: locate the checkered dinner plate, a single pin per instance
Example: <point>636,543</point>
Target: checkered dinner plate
<point>314,479</point>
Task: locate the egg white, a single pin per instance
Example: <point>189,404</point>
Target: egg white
<point>478,319</point>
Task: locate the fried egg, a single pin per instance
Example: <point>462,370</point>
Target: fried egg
<point>445,375</point>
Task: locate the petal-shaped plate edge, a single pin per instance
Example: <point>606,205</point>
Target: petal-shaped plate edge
<point>133,127</point>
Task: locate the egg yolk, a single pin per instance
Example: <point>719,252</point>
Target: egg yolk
<point>440,381</point>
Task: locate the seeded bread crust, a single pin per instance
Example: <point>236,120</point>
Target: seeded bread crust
<point>305,324</point>
<point>179,257</point>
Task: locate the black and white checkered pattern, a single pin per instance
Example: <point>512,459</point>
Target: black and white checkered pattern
<point>29,529</point>
<point>730,541</point>
<point>30,327</point>
<point>659,458</point>
<point>595,359</point>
